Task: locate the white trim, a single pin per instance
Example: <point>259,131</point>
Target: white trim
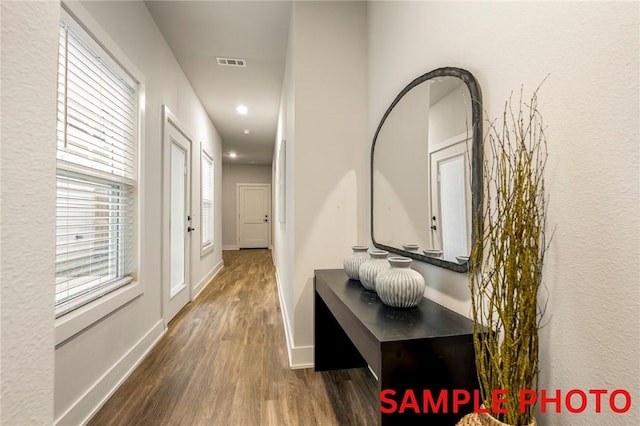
<point>230,247</point>
<point>437,146</point>
<point>100,37</point>
<point>373,373</point>
<point>197,289</point>
<point>174,291</point>
<point>299,356</point>
<point>85,299</point>
<point>169,118</point>
<point>77,320</point>
<point>205,250</point>
<point>209,247</point>
<point>87,405</point>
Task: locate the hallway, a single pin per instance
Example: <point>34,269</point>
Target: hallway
<point>223,361</point>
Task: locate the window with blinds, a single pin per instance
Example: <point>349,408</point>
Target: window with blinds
<point>207,200</point>
<point>96,172</point>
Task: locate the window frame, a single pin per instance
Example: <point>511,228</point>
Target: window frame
<point>207,247</point>
<point>109,299</point>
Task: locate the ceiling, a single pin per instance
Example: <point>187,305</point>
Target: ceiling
<point>200,31</point>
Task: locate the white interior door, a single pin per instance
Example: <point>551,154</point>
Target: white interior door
<point>177,224</point>
<point>451,200</point>
<point>254,215</point>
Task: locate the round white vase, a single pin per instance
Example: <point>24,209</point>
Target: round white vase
<point>400,286</point>
<point>370,269</point>
<point>354,260</point>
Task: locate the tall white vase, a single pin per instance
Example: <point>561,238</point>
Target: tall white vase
<point>400,286</point>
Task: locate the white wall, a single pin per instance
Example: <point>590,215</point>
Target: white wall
<point>590,104</point>
<point>29,60</point>
<point>401,164</point>
<point>327,155</point>
<point>233,174</point>
<point>89,365</point>
<point>450,116</point>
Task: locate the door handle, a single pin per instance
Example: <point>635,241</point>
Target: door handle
<point>266,220</point>
<point>189,229</point>
<point>433,227</point>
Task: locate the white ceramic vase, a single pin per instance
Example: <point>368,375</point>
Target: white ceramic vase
<point>400,286</point>
<point>354,260</point>
<point>370,269</point>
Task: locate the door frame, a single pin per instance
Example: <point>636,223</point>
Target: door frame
<point>451,148</point>
<point>263,185</point>
<point>169,119</point>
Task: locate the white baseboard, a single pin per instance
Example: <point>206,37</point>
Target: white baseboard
<point>97,395</point>
<point>206,280</point>
<point>299,356</point>
<point>230,247</point>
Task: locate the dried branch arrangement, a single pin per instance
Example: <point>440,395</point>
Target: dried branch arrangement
<point>507,257</point>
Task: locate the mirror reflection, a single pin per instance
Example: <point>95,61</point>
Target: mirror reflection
<point>422,170</point>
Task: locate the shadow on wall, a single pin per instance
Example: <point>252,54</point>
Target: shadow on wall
<point>322,241</point>
<point>333,227</point>
<point>445,284</point>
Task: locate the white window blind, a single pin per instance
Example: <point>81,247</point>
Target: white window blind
<point>207,200</point>
<point>96,170</point>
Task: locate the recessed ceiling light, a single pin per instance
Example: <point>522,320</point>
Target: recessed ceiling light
<point>242,109</point>
<point>233,155</point>
<point>246,131</point>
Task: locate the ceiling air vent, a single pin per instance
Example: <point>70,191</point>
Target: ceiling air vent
<point>232,62</point>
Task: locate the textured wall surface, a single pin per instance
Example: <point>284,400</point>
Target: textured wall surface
<point>590,103</point>
<point>29,50</point>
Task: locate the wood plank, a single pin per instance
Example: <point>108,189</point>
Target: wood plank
<point>223,361</point>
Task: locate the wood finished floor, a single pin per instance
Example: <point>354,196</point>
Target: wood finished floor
<point>223,361</point>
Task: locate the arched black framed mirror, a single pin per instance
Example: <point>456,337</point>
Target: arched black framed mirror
<point>426,170</point>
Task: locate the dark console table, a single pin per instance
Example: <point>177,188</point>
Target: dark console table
<point>427,347</point>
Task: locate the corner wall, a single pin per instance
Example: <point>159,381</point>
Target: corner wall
<point>591,105</point>
<point>27,256</point>
<point>284,229</point>
<point>324,118</point>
